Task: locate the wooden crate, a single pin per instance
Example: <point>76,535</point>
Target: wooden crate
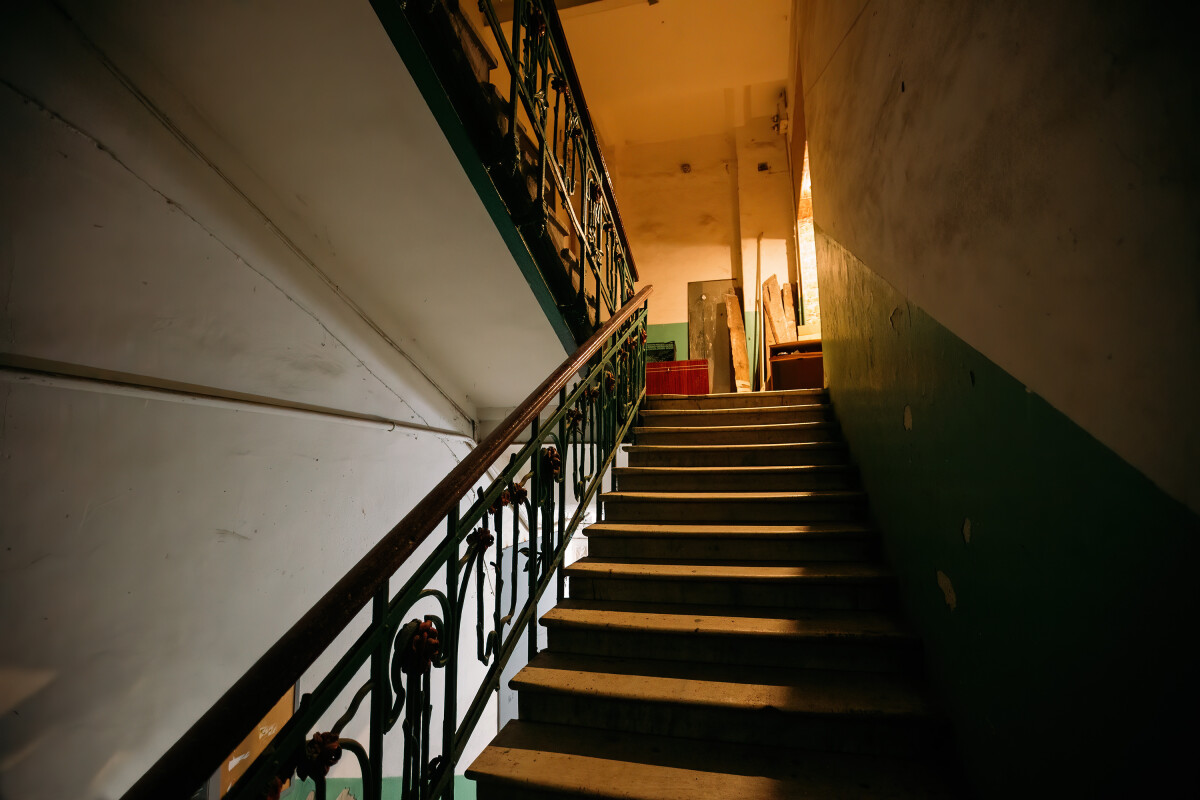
<point>677,377</point>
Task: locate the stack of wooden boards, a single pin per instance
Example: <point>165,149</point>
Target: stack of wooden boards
<point>780,316</point>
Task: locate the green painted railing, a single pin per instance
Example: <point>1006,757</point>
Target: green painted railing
<point>528,144</point>
<point>415,642</point>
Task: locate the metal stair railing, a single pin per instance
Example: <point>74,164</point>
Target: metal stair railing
<point>414,641</point>
<point>532,153</point>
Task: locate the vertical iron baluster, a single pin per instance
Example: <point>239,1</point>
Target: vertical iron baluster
<point>514,82</point>
<point>498,522</point>
<point>380,698</point>
<point>562,489</point>
<point>449,644</point>
<point>535,468</point>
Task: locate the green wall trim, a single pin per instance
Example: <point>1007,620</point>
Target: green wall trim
<point>464,788</point>
<point>678,333</point>
<point>1058,623</point>
<point>671,332</point>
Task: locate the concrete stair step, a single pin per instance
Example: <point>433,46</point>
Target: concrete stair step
<point>738,400</point>
<point>780,433</point>
<point>815,639</point>
<point>742,507</point>
<point>823,541</point>
<point>823,585</point>
<point>765,415</point>
<point>809,478</point>
<point>739,455</point>
<point>839,711</point>
<point>537,761</point>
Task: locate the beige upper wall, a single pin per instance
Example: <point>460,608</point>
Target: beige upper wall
<point>1025,174</point>
<point>682,226</point>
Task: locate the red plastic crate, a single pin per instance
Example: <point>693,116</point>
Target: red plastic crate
<point>677,377</point>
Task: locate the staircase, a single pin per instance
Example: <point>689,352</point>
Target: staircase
<point>732,632</point>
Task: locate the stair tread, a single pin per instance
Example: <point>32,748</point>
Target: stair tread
<point>793,469</point>
<point>702,412</point>
<point>733,497</point>
<point>561,759</point>
<point>667,530</point>
<point>752,446</point>
<point>851,571</point>
<point>725,621</point>
<point>718,395</point>
<point>733,686</point>
<point>762,427</point>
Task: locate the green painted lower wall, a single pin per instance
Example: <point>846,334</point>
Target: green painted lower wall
<point>464,789</point>
<point>1059,622</point>
<point>670,332</point>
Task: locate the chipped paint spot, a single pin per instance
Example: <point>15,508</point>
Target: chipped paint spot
<point>895,317</point>
<point>947,589</point>
<point>908,418</point>
<point>966,530</point>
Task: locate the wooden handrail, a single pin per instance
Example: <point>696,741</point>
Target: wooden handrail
<point>191,760</point>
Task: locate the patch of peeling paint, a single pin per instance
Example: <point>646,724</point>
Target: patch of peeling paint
<point>947,589</point>
<point>908,418</point>
<point>966,530</point>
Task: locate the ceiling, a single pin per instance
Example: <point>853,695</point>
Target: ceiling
<point>673,69</point>
<point>309,102</point>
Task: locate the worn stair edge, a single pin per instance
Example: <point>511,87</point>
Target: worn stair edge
<point>819,693</point>
<point>696,498</point>
<point>737,400</point>
<point>768,427</point>
<point>726,622</point>
<point>647,530</point>
<point>544,760</point>
<point>701,413</point>
<point>817,572</point>
<point>748,446</point>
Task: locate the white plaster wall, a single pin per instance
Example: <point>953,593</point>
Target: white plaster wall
<point>1026,173</point>
<point>151,547</point>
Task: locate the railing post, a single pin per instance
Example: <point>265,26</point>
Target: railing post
<point>450,719</point>
<point>380,697</point>
<point>532,548</point>
<point>514,102</point>
<point>562,488</point>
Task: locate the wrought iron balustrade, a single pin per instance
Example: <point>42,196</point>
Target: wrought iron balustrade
<point>534,136</point>
<point>415,640</point>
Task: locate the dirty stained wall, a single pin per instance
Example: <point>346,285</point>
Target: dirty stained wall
<point>682,225</point>
<point>705,223</point>
<point>1006,242</point>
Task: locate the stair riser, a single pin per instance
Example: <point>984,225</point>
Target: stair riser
<point>746,400</point>
<point>486,789</point>
<point>616,510</point>
<point>735,436</point>
<point>840,654</point>
<point>745,549</point>
<point>748,416</point>
<point>740,458</point>
<point>871,596</point>
<point>897,737</point>
<point>737,482</point>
